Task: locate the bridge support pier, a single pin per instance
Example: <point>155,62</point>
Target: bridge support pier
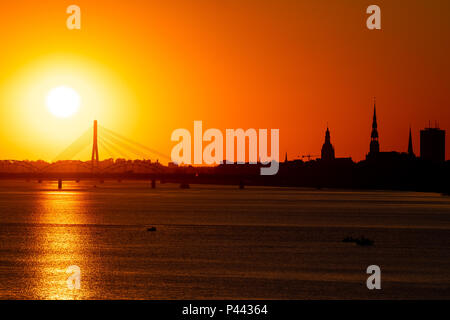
<point>153,184</point>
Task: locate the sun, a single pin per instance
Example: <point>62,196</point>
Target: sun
<point>63,101</point>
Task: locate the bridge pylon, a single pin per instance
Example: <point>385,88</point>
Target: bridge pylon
<point>95,159</point>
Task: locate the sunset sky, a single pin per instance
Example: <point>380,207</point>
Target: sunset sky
<point>145,68</point>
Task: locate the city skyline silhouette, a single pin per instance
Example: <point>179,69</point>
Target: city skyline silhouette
<point>229,73</point>
<point>224,154</point>
<point>109,138</point>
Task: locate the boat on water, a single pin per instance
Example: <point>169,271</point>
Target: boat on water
<point>361,241</point>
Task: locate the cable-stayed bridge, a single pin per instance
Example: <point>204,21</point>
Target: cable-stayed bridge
<point>116,149</point>
<point>112,144</point>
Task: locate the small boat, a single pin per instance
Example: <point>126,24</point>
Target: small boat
<point>364,242</point>
<point>151,229</point>
<point>184,186</point>
<point>348,239</point>
<point>361,241</point>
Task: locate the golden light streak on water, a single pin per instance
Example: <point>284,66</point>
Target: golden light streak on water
<point>61,247</point>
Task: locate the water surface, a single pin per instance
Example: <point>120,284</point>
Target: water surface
<point>219,242</point>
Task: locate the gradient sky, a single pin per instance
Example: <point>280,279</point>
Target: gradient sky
<point>146,68</point>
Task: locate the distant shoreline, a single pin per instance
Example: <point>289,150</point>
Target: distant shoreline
<point>193,180</point>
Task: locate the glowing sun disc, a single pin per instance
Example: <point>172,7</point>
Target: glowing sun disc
<point>63,102</point>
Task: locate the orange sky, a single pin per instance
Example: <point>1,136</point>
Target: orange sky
<point>146,68</point>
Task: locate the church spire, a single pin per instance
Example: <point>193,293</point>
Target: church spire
<point>410,144</point>
<point>374,122</point>
<point>327,148</point>
<point>327,136</point>
<point>374,144</point>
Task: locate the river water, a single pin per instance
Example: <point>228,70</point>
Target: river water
<point>219,242</point>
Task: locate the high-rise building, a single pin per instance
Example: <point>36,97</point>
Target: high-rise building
<point>432,144</point>
<point>327,148</point>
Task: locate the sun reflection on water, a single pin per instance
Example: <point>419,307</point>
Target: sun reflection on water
<point>59,241</point>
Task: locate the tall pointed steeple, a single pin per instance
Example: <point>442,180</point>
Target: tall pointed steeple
<point>327,136</point>
<point>410,145</point>
<point>374,122</point>
<point>327,148</point>
<point>374,144</point>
